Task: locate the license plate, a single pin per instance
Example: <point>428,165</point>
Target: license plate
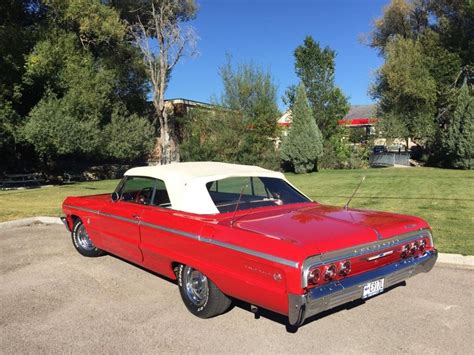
<point>373,288</point>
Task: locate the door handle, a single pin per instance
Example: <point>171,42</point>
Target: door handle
<point>136,216</point>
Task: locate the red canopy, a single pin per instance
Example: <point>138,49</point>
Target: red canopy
<point>358,122</point>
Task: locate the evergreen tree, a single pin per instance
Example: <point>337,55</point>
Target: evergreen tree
<point>303,145</point>
<point>458,138</point>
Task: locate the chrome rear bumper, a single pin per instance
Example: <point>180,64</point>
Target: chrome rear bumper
<point>336,293</point>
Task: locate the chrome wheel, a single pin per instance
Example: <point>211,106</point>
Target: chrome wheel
<point>83,238</point>
<point>200,295</point>
<point>82,242</point>
<point>196,286</point>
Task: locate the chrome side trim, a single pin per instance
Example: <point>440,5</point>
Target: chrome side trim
<point>276,259</point>
<point>120,218</point>
<point>85,209</point>
<point>204,239</point>
<point>360,250</point>
<point>171,230</point>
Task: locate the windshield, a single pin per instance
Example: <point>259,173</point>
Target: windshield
<point>241,193</point>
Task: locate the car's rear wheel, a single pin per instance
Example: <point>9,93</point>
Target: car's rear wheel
<point>82,242</point>
<point>200,295</point>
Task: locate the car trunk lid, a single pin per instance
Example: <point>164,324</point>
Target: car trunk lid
<point>324,229</point>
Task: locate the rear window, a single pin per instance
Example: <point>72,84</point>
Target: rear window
<point>241,193</point>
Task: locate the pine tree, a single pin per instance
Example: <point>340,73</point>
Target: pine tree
<point>303,145</point>
<point>458,140</point>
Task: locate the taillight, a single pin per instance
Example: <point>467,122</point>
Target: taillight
<point>313,276</point>
<point>405,251</point>
<point>422,246</point>
<point>330,272</point>
<point>320,275</point>
<point>414,247</point>
<point>344,268</point>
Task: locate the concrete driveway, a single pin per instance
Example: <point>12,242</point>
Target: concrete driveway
<point>55,301</point>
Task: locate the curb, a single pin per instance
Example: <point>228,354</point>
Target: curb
<point>457,260</point>
<point>29,221</point>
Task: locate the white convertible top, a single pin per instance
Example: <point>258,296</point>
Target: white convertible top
<point>186,182</point>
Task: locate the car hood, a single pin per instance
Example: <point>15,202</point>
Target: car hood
<point>327,228</point>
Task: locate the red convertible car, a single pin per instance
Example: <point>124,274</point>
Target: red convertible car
<point>233,231</point>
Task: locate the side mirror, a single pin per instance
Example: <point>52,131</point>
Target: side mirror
<point>115,196</point>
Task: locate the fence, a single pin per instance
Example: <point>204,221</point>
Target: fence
<point>390,159</point>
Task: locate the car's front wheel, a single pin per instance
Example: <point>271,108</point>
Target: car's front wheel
<point>200,295</point>
<point>82,242</point>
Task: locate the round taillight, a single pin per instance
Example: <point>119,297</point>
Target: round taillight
<point>405,251</point>
<point>345,268</point>
<point>422,246</point>
<point>414,247</point>
<point>313,276</point>
<point>330,272</point>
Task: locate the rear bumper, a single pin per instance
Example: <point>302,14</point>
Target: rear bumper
<point>336,293</point>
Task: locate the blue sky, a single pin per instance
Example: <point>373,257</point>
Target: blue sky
<point>266,32</point>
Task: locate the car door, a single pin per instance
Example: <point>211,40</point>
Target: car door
<point>120,229</point>
<point>158,241</point>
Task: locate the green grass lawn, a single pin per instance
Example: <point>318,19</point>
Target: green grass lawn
<point>445,198</point>
<point>46,201</point>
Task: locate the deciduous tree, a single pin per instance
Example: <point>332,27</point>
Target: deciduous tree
<point>157,29</point>
<point>406,90</point>
<point>428,50</point>
<point>251,91</point>
<point>83,70</point>
<point>213,135</point>
<point>19,30</point>
<point>315,66</point>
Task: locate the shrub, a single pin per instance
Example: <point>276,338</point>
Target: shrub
<point>127,137</point>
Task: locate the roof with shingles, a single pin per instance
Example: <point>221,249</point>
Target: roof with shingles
<point>361,111</point>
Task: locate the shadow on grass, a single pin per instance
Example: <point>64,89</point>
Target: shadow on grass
<point>21,189</point>
<point>24,189</point>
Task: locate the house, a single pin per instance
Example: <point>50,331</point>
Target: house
<point>360,116</point>
<point>180,107</point>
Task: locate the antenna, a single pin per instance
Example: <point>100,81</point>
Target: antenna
<point>238,202</point>
<point>355,191</point>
